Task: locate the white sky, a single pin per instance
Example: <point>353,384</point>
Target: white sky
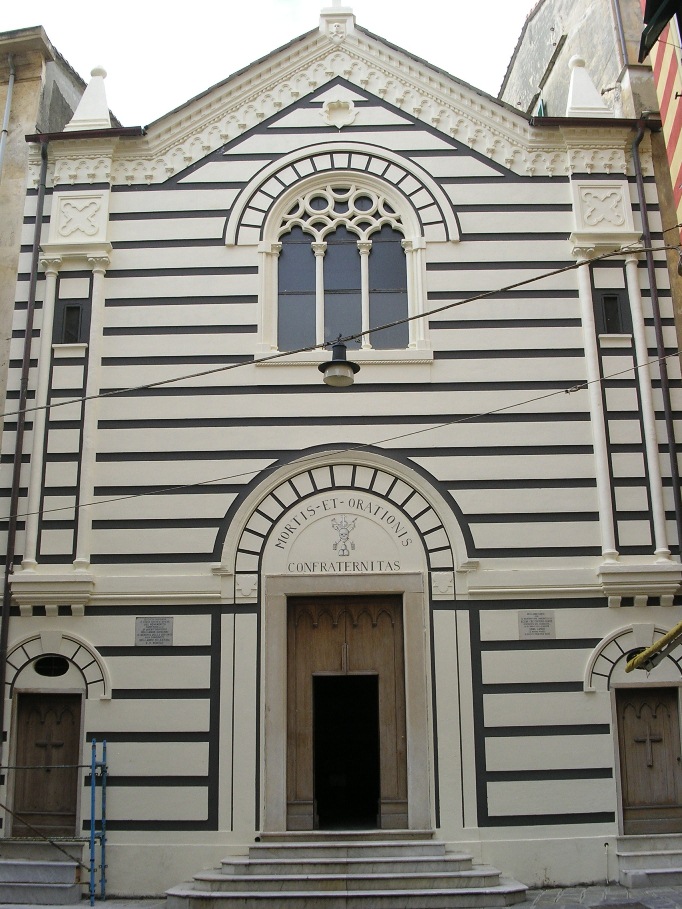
<point>158,55</point>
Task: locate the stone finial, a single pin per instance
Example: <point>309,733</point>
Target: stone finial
<point>337,22</point>
<point>583,98</point>
<point>92,111</point>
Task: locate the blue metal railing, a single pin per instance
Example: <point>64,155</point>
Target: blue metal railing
<point>98,773</point>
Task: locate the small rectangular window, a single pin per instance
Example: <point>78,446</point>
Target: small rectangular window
<point>71,322</point>
<point>71,330</point>
<point>612,313</point>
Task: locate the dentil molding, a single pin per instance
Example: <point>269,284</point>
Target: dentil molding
<point>228,111</point>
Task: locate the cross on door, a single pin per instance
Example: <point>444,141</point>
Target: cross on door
<point>50,745</point>
<point>648,740</point>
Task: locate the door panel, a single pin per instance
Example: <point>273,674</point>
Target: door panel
<point>346,636</point>
<point>651,774</point>
<point>48,737</point>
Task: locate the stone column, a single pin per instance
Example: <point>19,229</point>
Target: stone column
<point>39,416</point>
<point>319,249</point>
<point>365,246</point>
<point>643,374</point>
<point>603,476</point>
<point>86,491</point>
<point>267,297</point>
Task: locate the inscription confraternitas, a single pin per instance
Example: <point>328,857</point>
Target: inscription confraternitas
<point>153,630</point>
<point>536,623</point>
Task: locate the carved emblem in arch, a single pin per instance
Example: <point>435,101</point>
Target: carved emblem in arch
<point>79,653</point>
<point>607,661</point>
<point>263,534</point>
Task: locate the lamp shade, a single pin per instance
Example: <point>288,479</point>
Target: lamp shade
<point>338,372</point>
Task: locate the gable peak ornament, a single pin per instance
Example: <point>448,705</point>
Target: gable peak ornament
<point>339,112</point>
<point>337,22</point>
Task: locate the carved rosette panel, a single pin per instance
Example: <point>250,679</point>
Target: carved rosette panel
<point>602,207</point>
<point>79,217</point>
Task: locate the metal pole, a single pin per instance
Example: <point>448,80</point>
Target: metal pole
<point>103,841</point>
<point>19,443</point>
<point>93,787</point>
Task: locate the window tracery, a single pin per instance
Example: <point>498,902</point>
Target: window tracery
<point>342,270</point>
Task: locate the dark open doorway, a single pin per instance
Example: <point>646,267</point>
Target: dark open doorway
<point>346,751</point>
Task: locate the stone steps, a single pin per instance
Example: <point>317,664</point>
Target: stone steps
<point>650,861</point>
<point>36,874</point>
<point>368,871</point>
<point>374,865</point>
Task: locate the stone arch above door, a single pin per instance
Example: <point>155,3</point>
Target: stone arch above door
<point>607,661</point>
<point>81,656</point>
<point>343,513</point>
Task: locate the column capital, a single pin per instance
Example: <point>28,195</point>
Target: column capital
<point>270,249</point>
<point>51,264</point>
<point>583,253</point>
<point>364,246</point>
<point>319,248</point>
<point>632,253</point>
<point>99,264</point>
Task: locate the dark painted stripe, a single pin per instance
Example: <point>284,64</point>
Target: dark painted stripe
<point>357,389</point>
<point>525,324</point>
<point>146,737</point>
<point>398,420</point>
<point>205,489</point>
<point>155,523</point>
<point>543,517</point>
<point>143,558</point>
<point>498,237</point>
<point>133,694</point>
<point>527,731</point>
<point>246,454</point>
<point>553,644</point>
<point>222,271</point>
<point>494,294</point>
<point>545,551</point>
<point>508,354</point>
<point>513,776</point>
<point>540,820</point>
<point>194,610</point>
<point>178,360</point>
<point>179,330</point>
<point>147,782</point>
<point>203,300</point>
<point>215,683</point>
<point>170,244</point>
<point>569,483</point>
<point>220,213</point>
<point>499,265</point>
<point>142,651</point>
<point>532,687</point>
<point>152,826</point>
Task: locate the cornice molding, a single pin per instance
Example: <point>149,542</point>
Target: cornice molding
<point>270,85</point>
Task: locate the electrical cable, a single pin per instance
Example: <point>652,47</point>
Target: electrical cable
<point>352,448</point>
<point>281,354</point>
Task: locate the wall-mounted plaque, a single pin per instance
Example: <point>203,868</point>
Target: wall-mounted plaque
<point>536,623</point>
<point>154,631</point>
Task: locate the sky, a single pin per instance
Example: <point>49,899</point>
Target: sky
<point>157,57</point>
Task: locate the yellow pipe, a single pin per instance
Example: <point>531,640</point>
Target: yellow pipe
<point>645,655</point>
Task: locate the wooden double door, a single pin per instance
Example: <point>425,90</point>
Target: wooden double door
<point>650,760</point>
<point>45,788</point>
<point>346,745</point>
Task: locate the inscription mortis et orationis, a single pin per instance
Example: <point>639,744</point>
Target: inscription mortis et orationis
<point>344,533</point>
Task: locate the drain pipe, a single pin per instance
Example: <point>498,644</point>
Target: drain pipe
<point>660,345</point>
<point>19,443</point>
<point>8,107</point>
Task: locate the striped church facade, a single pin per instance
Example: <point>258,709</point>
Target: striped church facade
<point>500,470</point>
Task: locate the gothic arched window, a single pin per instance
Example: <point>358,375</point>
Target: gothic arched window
<point>341,270</point>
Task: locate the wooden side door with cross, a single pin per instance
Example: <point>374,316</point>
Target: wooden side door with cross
<point>650,768</point>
